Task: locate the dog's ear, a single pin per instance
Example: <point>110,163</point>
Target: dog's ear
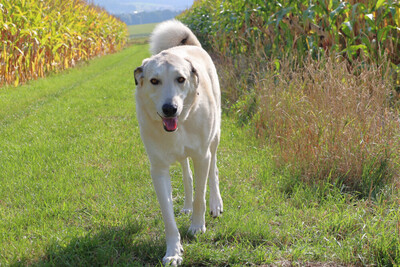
<point>138,73</point>
<point>193,72</point>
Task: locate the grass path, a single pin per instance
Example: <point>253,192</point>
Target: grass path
<point>141,30</point>
<point>75,188</point>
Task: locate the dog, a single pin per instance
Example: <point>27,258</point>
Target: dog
<point>178,106</point>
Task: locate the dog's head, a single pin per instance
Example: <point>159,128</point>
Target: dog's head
<point>167,83</point>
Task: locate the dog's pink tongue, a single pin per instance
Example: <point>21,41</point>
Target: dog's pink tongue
<point>170,124</point>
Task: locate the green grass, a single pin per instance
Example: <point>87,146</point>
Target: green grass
<point>141,30</point>
<point>75,188</point>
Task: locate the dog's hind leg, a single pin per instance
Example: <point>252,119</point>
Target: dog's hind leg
<point>201,168</point>
<point>188,186</point>
<point>216,205</point>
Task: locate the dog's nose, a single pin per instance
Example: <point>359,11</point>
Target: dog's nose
<point>169,110</point>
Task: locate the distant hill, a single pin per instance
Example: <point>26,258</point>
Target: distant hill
<point>131,6</point>
<point>147,17</point>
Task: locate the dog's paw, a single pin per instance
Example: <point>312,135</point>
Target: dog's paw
<point>197,229</point>
<point>216,206</point>
<point>173,257</point>
<point>186,211</point>
<point>172,260</point>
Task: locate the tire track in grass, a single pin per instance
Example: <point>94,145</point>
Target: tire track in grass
<point>35,104</point>
<point>38,118</point>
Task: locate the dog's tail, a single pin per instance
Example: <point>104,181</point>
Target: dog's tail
<point>169,34</point>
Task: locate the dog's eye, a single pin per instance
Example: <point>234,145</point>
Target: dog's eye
<point>154,81</point>
<point>181,80</point>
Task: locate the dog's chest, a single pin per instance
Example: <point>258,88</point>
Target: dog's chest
<point>172,147</point>
<point>181,145</point>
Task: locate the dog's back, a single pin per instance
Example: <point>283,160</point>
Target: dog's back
<point>169,34</point>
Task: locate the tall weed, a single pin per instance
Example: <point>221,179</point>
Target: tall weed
<point>326,122</point>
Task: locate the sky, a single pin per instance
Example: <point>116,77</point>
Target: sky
<point>130,6</point>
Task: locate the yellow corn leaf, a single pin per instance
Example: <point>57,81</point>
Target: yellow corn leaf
<point>66,63</point>
<point>16,82</point>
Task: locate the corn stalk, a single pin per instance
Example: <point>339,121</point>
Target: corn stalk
<point>38,37</point>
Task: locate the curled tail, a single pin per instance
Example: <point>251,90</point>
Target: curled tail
<point>169,34</point>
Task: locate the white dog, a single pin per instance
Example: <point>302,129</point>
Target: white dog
<point>178,106</point>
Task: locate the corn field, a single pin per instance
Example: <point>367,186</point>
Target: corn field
<point>277,29</point>
<point>42,36</point>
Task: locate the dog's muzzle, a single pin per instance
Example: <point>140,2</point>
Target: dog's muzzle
<point>170,120</point>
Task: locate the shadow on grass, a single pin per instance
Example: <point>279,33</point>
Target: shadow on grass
<point>128,245</point>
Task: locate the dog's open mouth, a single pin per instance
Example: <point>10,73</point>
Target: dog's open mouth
<point>170,124</point>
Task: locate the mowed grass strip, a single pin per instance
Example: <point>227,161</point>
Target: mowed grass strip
<point>70,154</point>
<point>75,188</point>
<point>141,30</point>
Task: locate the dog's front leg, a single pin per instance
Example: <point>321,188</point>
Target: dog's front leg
<point>162,185</point>
<point>201,169</point>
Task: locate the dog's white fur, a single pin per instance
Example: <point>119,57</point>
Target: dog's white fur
<point>169,34</point>
<point>180,75</point>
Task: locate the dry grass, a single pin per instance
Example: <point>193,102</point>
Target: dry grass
<point>326,122</point>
